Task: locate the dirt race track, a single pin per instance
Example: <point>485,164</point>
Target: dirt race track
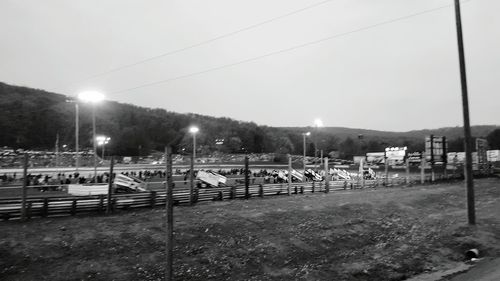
<point>382,234</point>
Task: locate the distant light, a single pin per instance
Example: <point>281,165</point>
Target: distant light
<point>102,140</point>
<point>307,134</point>
<point>193,129</point>
<point>318,122</point>
<point>91,96</point>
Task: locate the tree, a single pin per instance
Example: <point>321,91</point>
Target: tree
<point>494,139</point>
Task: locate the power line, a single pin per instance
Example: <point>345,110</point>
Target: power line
<point>206,41</point>
<point>285,50</point>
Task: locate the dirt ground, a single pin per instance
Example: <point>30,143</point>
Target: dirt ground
<point>370,234</point>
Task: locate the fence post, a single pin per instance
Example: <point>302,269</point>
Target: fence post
<point>386,166</point>
<point>289,173</point>
<point>110,186</point>
<point>327,176</point>
<point>45,210</point>
<point>422,169</point>
<point>362,173</point>
<point>232,192</point>
<point>28,210</point>
<point>25,183</point>
<point>196,195</point>
<point>101,203</point>
<point>152,200</point>
<point>247,180</point>
<point>261,191</point>
<point>407,171</point>
<point>73,207</point>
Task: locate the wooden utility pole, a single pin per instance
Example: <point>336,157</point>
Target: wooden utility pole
<point>407,160</point>
<point>432,157</point>
<point>170,214</point>
<point>247,179</point>
<point>191,180</point>
<point>25,183</point>
<point>386,166</point>
<point>327,176</point>
<point>77,155</point>
<point>467,134</point>
<point>289,179</point>
<point>422,168</point>
<point>110,185</point>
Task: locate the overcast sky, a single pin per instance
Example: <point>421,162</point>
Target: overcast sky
<point>394,76</point>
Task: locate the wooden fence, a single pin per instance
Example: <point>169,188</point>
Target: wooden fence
<point>66,206</point>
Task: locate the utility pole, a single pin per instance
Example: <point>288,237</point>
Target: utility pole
<point>471,212</point>
<point>170,215</point>
<point>24,191</point>
<point>77,156</point>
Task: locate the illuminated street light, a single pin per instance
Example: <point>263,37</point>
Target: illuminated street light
<point>193,130</point>
<point>304,135</point>
<point>102,141</point>
<point>92,97</point>
<point>317,124</point>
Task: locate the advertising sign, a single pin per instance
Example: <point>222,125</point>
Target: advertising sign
<point>493,155</point>
<point>435,149</point>
<point>395,155</point>
<point>482,155</point>
<point>414,157</point>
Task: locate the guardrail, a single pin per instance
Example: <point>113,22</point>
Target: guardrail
<point>70,206</point>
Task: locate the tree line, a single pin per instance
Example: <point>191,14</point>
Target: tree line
<point>33,118</point>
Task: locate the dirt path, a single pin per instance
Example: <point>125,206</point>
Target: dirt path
<point>384,234</point>
<point>487,270</point>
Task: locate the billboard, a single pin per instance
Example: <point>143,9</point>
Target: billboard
<point>395,155</point>
<point>435,149</point>
<point>493,155</point>
<point>414,157</point>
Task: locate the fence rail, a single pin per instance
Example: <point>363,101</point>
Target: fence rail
<point>10,208</point>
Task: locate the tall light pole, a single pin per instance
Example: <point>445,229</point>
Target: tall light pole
<point>317,124</point>
<point>77,114</point>
<point>102,140</point>
<point>93,98</point>
<point>471,212</point>
<point>304,135</point>
<point>77,127</point>
<point>193,130</point>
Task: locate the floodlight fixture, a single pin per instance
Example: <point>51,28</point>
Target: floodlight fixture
<point>318,123</point>
<point>91,96</point>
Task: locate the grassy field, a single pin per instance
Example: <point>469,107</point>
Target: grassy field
<point>370,234</point>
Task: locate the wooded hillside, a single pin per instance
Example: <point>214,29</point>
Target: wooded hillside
<point>32,118</point>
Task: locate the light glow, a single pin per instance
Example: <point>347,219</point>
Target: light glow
<point>91,96</point>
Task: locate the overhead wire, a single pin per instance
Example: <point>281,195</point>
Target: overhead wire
<point>195,45</point>
<point>382,23</point>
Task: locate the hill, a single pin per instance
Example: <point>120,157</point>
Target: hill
<point>32,119</point>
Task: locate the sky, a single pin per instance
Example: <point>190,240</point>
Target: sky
<point>384,64</point>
